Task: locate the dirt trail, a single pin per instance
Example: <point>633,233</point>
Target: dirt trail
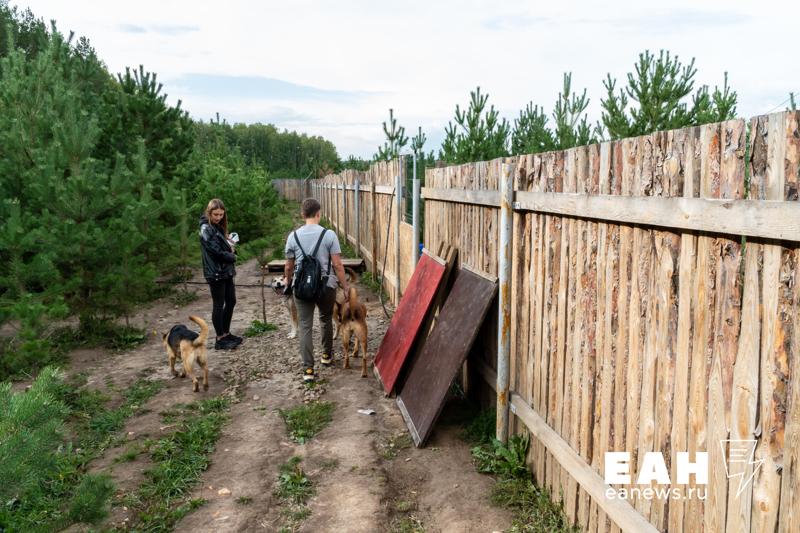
<point>366,474</point>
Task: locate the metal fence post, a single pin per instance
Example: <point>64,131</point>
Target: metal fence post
<point>415,214</point>
<point>397,209</point>
<point>504,307</point>
<point>358,218</point>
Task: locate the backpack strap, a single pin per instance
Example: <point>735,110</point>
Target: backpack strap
<point>298,243</point>
<point>316,249</point>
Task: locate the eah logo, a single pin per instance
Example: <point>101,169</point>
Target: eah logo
<point>653,480</point>
<point>741,454</point>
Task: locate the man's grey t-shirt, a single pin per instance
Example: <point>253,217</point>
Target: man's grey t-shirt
<point>308,236</point>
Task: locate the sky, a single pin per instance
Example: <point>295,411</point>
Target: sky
<point>335,68</point>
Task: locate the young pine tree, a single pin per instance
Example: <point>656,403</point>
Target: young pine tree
<point>478,133</point>
<point>657,97</point>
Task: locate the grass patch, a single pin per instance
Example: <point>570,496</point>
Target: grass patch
<point>307,420</point>
<point>293,485</point>
<point>258,327</point>
<point>407,524</point>
<point>179,460</point>
<point>294,489</point>
<point>532,507</point>
<point>374,284</point>
<point>99,332</point>
<point>244,500</point>
<point>181,297</point>
<point>481,428</point>
<point>389,448</point>
<point>48,435</point>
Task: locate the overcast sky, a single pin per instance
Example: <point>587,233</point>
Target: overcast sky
<point>335,68</point>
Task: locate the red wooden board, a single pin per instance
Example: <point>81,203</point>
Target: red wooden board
<point>407,320</point>
<point>425,389</point>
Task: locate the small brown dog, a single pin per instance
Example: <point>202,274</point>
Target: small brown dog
<point>337,305</point>
<point>353,319</point>
<point>191,346</point>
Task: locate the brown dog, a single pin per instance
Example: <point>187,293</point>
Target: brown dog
<point>339,303</point>
<point>354,322</point>
<point>191,346</point>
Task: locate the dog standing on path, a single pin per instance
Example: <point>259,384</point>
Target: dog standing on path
<point>353,317</point>
<point>279,286</point>
<point>191,346</point>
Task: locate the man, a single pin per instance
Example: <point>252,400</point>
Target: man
<point>329,255</point>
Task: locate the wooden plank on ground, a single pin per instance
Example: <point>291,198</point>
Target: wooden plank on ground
<point>425,390</point>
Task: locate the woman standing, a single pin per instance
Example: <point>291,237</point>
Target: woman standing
<point>219,257</point>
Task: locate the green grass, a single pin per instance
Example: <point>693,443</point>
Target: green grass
<point>407,524</point>
<point>293,484</point>
<point>99,332</point>
<point>532,507</point>
<point>258,328</point>
<point>373,284</point>
<point>182,298</point>
<point>307,420</point>
<point>179,459</point>
<point>64,426</point>
<point>481,428</point>
<point>392,446</point>
<point>293,489</point>
<point>244,500</point>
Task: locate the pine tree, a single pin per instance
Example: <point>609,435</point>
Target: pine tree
<point>478,133</point>
<point>395,140</point>
<point>660,87</point>
<point>418,143</point>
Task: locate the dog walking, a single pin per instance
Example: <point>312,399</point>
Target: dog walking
<point>219,257</point>
<point>311,251</point>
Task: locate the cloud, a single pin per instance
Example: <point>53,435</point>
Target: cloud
<point>131,28</point>
<point>515,22</point>
<point>671,21</point>
<point>158,29</point>
<point>220,85</point>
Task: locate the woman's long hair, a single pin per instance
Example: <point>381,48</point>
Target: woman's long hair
<point>216,203</point>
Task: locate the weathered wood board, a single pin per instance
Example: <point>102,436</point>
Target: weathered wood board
<point>425,390</point>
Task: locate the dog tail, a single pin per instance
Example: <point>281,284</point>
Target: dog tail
<point>355,305</point>
<point>201,340</point>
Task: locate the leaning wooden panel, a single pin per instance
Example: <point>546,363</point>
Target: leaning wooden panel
<point>425,390</point>
<point>407,319</point>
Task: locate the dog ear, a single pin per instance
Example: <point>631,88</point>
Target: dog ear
<point>164,337</point>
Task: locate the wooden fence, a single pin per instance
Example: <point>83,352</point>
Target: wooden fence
<point>655,295</point>
<point>297,190</point>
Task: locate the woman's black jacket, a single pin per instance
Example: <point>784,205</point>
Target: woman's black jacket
<point>218,258</point>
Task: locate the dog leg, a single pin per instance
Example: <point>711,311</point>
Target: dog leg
<point>202,358</point>
<point>172,358</point>
<point>187,354</point>
<point>346,346</point>
<point>362,344</point>
<point>293,316</point>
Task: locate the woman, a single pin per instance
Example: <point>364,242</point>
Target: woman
<point>219,257</point>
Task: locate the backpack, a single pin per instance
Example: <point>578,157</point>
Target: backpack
<point>308,280</point>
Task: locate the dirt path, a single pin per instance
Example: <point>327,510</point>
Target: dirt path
<point>367,475</point>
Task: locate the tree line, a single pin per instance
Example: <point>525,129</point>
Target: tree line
<point>102,181</point>
<point>659,94</point>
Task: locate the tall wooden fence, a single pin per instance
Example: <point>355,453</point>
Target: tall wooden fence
<point>655,299</point>
<point>366,210</point>
<point>297,190</point>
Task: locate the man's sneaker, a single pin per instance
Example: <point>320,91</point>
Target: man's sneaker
<point>225,344</point>
<point>234,338</point>
<point>326,360</point>
<point>308,375</point>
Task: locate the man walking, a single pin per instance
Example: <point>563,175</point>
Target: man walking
<point>302,241</point>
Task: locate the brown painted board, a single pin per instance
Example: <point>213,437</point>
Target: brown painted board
<point>425,389</point>
<point>407,319</point>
